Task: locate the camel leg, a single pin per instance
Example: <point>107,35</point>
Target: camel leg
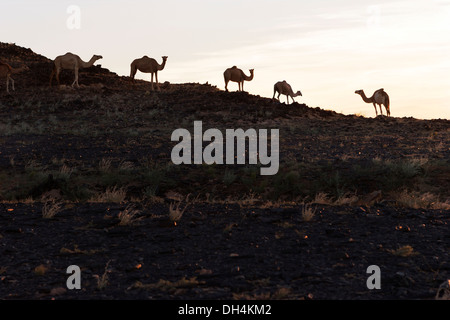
<point>76,78</point>
<point>287,99</point>
<point>152,80</point>
<point>381,109</point>
<point>157,84</point>
<point>242,86</point>
<point>376,111</point>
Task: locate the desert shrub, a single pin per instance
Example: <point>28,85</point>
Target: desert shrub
<point>128,216</point>
<point>115,195</point>
<point>50,209</point>
<point>418,200</point>
<point>308,212</point>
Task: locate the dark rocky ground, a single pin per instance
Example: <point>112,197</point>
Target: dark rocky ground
<point>223,252</point>
<point>379,188</point>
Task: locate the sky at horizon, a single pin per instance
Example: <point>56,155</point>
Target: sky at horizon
<point>327,49</point>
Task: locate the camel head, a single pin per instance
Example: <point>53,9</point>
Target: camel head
<point>165,58</point>
<point>251,71</point>
<point>299,93</point>
<point>359,92</point>
<point>94,58</point>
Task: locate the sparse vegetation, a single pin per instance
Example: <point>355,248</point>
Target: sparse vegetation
<point>111,195</point>
<point>40,270</point>
<point>417,200</point>
<point>404,251</point>
<point>102,280</point>
<point>128,216</point>
<point>176,211</point>
<point>168,286</point>
<point>279,294</point>
<point>308,212</point>
<point>50,209</point>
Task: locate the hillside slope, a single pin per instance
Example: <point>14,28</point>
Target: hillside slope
<point>87,178</point>
<point>320,150</point>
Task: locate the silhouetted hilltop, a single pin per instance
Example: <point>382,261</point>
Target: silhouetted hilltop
<point>184,97</point>
<point>41,68</point>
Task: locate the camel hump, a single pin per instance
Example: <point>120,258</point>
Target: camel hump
<point>233,67</point>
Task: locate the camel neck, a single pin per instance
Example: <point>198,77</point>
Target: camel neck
<point>363,96</point>
<point>162,65</point>
<point>249,78</point>
<point>88,64</point>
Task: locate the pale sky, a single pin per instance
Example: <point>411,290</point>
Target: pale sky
<point>325,48</point>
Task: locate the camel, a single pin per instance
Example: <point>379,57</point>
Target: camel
<point>379,97</point>
<point>73,62</point>
<point>6,71</point>
<point>237,75</point>
<point>147,65</point>
<point>282,87</point>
